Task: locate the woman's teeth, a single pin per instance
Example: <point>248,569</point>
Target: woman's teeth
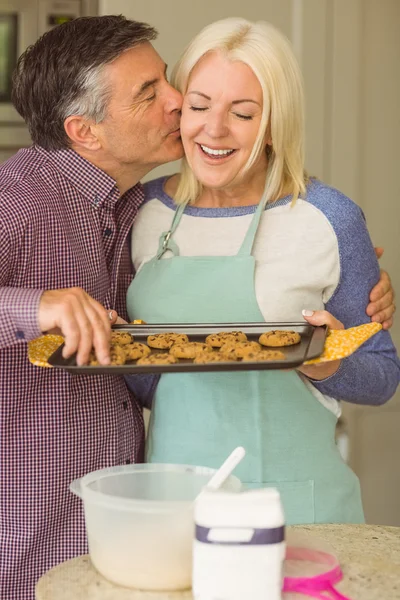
<point>213,152</point>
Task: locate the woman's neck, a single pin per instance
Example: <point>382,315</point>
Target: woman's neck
<point>248,193</point>
<point>245,193</point>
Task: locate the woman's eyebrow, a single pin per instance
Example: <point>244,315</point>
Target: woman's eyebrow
<point>246,100</point>
<point>233,102</point>
<point>199,94</point>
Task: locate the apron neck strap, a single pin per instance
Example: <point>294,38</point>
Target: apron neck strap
<point>248,242</point>
<point>165,242</point>
<point>177,217</point>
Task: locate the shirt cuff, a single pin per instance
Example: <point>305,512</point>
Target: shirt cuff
<point>22,305</point>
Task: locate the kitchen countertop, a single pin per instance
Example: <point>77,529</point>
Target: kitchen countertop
<point>369,556</point>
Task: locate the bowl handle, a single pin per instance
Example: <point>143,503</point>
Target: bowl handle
<point>75,487</point>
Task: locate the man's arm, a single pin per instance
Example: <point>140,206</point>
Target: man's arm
<point>381,307</point>
<point>26,313</point>
<point>18,306</point>
<point>18,315</point>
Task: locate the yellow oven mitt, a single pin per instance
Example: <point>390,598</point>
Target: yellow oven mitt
<point>40,349</point>
<point>340,343</point>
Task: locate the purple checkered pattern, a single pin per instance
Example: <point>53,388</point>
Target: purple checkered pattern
<point>62,224</point>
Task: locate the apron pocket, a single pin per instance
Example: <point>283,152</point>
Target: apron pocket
<point>297,499</point>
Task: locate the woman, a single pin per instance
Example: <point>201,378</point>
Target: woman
<point>243,235</point>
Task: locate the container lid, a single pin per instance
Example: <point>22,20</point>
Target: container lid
<point>261,508</point>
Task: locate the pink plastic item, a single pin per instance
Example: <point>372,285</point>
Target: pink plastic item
<point>306,573</point>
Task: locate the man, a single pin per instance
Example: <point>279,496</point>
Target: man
<point>101,115</point>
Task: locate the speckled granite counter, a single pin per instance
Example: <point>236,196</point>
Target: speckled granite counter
<point>369,556</point>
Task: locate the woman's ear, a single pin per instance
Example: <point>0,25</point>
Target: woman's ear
<point>268,136</point>
<point>81,133</point>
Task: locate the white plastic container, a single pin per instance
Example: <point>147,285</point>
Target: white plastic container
<point>139,522</point>
<point>239,546</point>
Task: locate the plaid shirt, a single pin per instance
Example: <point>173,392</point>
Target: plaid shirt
<point>62,225</point>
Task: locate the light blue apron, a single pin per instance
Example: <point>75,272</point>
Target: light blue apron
<point>199,418</point>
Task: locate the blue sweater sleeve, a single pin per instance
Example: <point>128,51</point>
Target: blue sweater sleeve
<point>372,374</point>
<point>143,387</point>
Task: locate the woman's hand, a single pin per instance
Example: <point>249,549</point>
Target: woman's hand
<point>322,370</point>
<point>382,306</point>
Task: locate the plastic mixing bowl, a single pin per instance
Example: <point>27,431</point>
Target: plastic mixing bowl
<point>139,522</point>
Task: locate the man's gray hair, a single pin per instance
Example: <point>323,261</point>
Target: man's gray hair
<point>62,74</point>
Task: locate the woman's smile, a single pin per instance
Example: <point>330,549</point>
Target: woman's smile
<point>215,154</point>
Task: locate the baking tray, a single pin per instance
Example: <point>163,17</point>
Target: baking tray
<point>311,346</point>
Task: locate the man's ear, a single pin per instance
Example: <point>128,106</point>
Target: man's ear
<point>81,133</point>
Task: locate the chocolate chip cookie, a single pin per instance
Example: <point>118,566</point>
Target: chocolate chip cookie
<point>216,340</point>
<point>117,357</point>
<point>279,338</point>
<point>240,349</point>
<point>207,357</point>
<point>121,338</point>
<point>136,350</point>
<point>164,341</point>
<point>264,355</point>
<point>159,358</point>
<point>189,349</point>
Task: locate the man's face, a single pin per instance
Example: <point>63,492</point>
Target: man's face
<point>141,127</point>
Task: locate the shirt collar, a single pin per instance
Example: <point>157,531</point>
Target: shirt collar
<point>89,180</point>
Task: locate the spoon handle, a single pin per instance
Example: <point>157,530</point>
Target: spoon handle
<point>226,468</point>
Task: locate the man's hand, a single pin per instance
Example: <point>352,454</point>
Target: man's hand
<point>382,306</point>
<point>115,319</point>
<point>84,323</point>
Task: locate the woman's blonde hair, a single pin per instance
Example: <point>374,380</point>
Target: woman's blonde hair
<point>269,55</point>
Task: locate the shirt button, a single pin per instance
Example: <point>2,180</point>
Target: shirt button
<point>108,232</point>
<point>125,404</point>
<point>128,462</point>
<point>20,335</point>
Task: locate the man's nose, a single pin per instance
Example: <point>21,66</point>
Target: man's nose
<point>175,100</point>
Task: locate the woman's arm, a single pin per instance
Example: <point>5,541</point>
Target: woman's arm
<point>143,387</point>
<point>372,374</point>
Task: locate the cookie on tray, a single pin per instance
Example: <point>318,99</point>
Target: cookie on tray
<point>164,341</point>
<point>229,349</point>
<point>279,338</point>
<point>121,338</point>
<point>241,349</point>
<point>189,350</point>
<point>117,357</point>
<point>209,357</point>
<point>216,340</point>
<point>264,355</point>
<point>159,358</point>
<point>136,350</point>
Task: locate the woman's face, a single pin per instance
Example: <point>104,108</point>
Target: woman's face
<point>221,115</point>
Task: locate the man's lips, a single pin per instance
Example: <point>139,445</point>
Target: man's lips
<point>175,132</point>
